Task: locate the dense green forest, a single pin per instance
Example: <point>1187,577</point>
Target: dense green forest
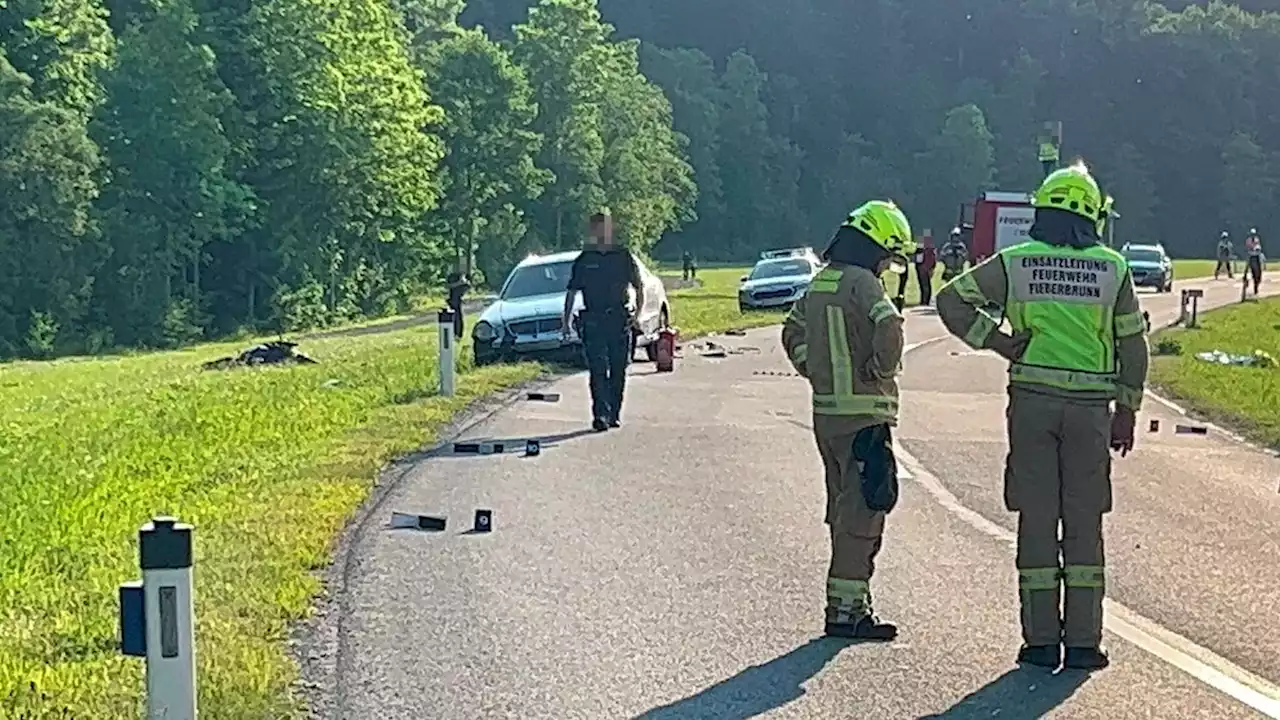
<point>172,170</point>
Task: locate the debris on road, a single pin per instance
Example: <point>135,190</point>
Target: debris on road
<point>543,397</point>
<point>532,448</point>
<point>1191,430</point>
<point>482,448</point>
<point>775,373</point>
<point>276,352</point>
<point>484,521</point>
<point>736,332</point>
<point>405,521</point>
<point>1259,359</point>
<point>714,351</point>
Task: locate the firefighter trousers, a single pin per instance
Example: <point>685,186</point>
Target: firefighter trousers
<point>861,473</point>
<point>1058,473</point>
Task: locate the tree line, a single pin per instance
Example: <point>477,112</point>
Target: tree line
<point>172,170</point>
<point>795,111</point>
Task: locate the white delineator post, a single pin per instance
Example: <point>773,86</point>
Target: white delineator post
<point>165,545</point>
<point>447,378</point>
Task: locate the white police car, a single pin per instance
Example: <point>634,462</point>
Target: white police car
<point>778,279</point>
<point>1150,266</point>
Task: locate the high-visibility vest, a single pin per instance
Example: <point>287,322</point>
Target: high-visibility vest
<point>1066,297</point>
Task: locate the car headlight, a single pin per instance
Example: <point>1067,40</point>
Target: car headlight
<point>484,332</point>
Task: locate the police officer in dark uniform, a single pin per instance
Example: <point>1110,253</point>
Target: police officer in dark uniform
<point>602,273</point>
<point>458,287</point>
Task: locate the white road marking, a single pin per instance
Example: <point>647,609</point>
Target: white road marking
<point>1200,663</point>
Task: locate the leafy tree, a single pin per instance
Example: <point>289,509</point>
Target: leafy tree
<point>63,45</point>
<point>1014,126</point>
<point>48,240</point>
<point>745,151</point>
<point>688,78</point>
<point>1125,177</point>
<point>346,157</point>
<point>490,175</point>
<point>170,195</point>
<point>962,162</point>
<point>562,47</point>
<point>1248,186</point>
<point>648,182</point>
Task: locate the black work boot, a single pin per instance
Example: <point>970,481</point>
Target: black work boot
<point>599,425</point>
<point>1046,656</point>
<point>1085,658</point>
<point>868,627</point>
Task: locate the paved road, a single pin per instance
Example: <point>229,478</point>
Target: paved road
<point>675,568</point>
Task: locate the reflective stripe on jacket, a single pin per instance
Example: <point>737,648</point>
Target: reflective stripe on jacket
<point>845,336</point>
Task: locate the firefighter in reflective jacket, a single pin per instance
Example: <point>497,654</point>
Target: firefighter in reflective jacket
<point>954,254</point>
<point>845,336</point>
<point>1078,343</point>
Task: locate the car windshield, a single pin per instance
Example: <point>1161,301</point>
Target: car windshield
<point>1144,256</point>
<point>780,268</point>
<point>544,279</point>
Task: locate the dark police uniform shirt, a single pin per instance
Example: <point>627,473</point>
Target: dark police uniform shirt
<point>603,277</point>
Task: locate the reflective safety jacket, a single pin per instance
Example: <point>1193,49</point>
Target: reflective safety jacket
<point>845,336</point>
<point>1088,336</point>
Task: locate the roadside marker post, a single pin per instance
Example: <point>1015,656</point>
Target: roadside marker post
<point>447,379</point>
<point>157,618</point>
<point>1194,296</point>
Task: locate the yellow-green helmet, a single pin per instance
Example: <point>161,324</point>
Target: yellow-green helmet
<point>1072,189</point>
<point>886,225</point>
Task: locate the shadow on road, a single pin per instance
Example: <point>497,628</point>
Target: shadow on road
<point>1020,693</point>
<point>758,689</point>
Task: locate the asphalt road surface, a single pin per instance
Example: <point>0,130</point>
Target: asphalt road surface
<point>675,568</point>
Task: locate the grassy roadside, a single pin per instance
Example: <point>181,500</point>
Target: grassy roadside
<point>269,464</point>
<point>1241,397</point>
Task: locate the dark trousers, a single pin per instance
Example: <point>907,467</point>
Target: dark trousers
<point>458,325</point>
<point>606,342</point>
<point>1223,264</point>
<point>1255,271</point>
<point>924,277</point>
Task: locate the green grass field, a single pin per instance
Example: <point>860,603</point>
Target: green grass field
<point>267,463</point>
<point>1245,398</point>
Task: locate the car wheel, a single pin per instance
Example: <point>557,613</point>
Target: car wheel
<point>483,360</point>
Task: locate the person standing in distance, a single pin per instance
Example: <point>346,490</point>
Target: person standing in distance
<point>845,337</point>
<point>602,273</point>
<point>1078,344</point>
<point>1256,261</point>
<point>458,287</point>
<point>1224,256</point>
